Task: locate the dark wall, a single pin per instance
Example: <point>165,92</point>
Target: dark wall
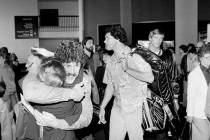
<point>151,14</point>
<point>203,9</point>
<point>164,10</point>
<point>141,30</point>
<point>100,12</point>
<point>108,12</point>
<point>153,10</point>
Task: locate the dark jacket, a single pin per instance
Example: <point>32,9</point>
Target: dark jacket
<point>164,70</point>
<point>164,85</point>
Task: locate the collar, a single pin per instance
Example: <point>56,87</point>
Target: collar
<point>159,52</point>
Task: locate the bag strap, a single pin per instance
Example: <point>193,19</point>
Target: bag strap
<point>190,131</point>
<point>183,130</point>
<point>168,111</point>
<point>41,131</point>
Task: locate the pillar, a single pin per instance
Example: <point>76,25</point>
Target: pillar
<point>126,18</point>
<point>81,19</point>
<point>186,23</point>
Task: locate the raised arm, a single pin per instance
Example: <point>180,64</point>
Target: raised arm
<point>48,119</point>
<point>84,119</point>
<point>37,92</point>
<point>138,68</point>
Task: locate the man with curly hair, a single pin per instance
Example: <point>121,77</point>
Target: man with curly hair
<point>126,76</point>
<point>58,117</point>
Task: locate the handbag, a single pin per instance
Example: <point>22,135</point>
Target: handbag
<point>153,115</point>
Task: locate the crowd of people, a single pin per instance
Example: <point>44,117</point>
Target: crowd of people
<point>127,92</point>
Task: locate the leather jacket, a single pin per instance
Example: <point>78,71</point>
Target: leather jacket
<point>164,85</point>
<point>165,74</point>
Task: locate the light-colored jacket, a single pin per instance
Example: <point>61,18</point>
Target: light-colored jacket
<point>196,93</point>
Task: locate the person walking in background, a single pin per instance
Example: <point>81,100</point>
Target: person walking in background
<point>198,81</point>
<point>92,53</point>
<point>8,96</point>
<point>200,44</point>
<point>192,59</point>
<point>89,50</point>
<point>126,77</point>
<point>105,58</point>
<point>183,50</point>
<point>183,72</point>
<point>90,67</point>
<point>183,56</point>
<point>165,86</point>
<point>188,63</point>
<point>190,45</point>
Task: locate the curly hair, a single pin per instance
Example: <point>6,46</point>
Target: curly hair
<point>118,33</point>
<point>70,51</point>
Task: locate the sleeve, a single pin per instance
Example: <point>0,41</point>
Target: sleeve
<point>107,76</point>
<point>207,107</point>
<point>75,116</point>
<point>139,68</point>
<point>191,94</point>
<point>9,80</point>
<point>86,114</point>
<point>37,92</point>
<point>85,117</point>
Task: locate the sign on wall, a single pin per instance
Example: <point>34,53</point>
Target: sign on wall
<point>26,27</point>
